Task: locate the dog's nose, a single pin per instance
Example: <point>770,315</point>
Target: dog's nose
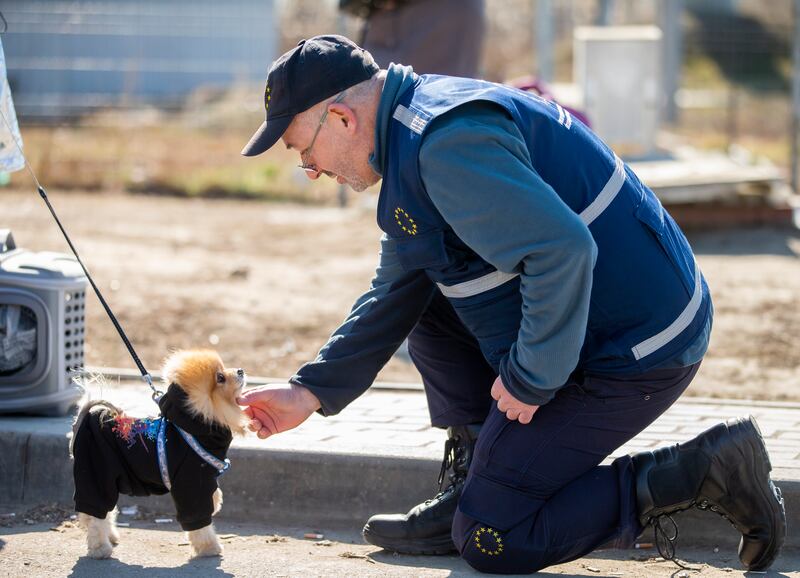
<point>240,372</point>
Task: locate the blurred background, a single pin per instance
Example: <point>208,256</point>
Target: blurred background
<point>133,113</point>
<point>82,74</point>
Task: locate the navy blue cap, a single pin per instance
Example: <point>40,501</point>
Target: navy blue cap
<point>312,71</point>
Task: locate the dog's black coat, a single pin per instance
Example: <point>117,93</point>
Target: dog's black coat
<point>106,464</point>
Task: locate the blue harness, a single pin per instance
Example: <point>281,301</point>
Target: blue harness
<point>221,466</point>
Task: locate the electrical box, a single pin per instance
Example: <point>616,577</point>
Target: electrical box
<point>618,71</point>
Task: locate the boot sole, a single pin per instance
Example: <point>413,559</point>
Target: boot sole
<point>435,546</point>
<point>749,432</point>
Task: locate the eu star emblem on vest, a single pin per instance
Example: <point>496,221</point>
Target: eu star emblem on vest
<point>405,221</point>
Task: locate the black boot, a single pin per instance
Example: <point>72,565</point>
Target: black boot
<point>726,470</point>
<point>425,529</point>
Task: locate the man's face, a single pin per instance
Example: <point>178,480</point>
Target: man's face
<point>329,143</point>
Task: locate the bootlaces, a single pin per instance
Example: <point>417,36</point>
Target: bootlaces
<point>666,540</point>
<point>447,462</point>
<point>706,505</point>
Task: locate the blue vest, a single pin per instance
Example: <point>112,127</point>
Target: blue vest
<point>649,300</point>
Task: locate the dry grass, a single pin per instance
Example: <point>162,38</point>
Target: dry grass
<point>194,152</point>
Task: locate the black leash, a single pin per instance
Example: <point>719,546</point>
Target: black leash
<point>145,375</point>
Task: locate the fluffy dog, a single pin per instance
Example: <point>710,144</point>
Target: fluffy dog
<point>116,454</point>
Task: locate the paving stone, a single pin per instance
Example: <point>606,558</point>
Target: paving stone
<point>397,422</point>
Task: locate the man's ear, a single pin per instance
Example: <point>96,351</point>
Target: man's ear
<point>344,114</point>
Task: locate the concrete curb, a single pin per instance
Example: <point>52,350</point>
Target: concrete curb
<point>316,489</point>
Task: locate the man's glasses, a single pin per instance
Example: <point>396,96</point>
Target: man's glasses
<point>311,170</point>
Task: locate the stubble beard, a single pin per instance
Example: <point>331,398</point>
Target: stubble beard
<point>358,184</point>
<point>356,181</point>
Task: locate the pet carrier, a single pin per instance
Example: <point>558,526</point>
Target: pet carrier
<point>42,329</point>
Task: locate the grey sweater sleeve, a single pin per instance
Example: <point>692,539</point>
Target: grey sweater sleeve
<point>377,324</point>
<point>478,173</point>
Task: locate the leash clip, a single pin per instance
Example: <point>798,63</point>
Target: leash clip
<point>157,394</point>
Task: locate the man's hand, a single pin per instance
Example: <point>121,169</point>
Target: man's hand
<point>277,407</point>
<point>513,408</point>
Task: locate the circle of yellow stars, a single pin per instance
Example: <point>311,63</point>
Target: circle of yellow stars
<point>405,221</point>
<point>267,97</point>
<point>498,539</point>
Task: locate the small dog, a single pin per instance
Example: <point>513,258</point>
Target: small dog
<point>116,454</point>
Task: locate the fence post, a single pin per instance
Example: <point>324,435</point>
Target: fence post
<point>544,39</point>
<point>795,94</point>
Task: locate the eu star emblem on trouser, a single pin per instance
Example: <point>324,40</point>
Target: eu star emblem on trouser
<point>489,541</point>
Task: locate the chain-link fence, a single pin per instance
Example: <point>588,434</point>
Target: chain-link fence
<point>72,58</point>
<point>735,57</point>
<point>733,82</point>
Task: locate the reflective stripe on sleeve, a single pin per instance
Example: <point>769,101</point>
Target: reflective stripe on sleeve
<point>589,214</point>
<point>476,286</point>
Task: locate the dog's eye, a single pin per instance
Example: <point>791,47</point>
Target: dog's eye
<point>220,378</point>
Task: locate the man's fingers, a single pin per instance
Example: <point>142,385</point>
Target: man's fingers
<point>254,425</point>
<point>502,404</point>
<point>256,394</point>
<point>512,414</point>
<point>528,414</point>
<point>263,433</point>
<point>267,421</point>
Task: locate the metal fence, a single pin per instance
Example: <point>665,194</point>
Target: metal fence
<point>66,58</point>
<point>734,59</point>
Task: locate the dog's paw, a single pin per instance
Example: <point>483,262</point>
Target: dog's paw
<point>100,551</point>
<point>205,542</point>
<point>207,550</point>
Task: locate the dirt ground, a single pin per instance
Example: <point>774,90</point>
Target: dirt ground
<point>266,283</point>
<point>32,546</point>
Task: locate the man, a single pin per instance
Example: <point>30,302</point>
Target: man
<point>433,36</point>
<point>550,302</point>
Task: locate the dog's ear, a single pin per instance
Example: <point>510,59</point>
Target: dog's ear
<point>170,367</point>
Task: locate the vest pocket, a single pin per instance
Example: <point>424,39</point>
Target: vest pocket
<point>669,239</point>
<point>423,251</point>
<point>651,213</point>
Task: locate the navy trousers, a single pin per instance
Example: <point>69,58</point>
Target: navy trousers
<point>535,494</point>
